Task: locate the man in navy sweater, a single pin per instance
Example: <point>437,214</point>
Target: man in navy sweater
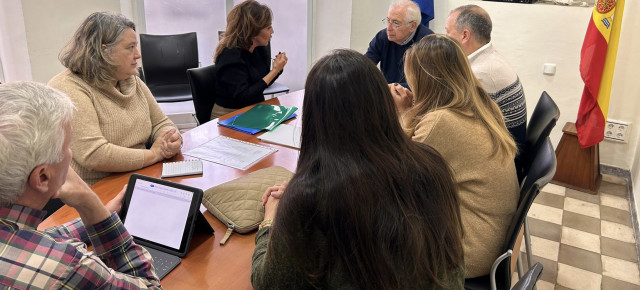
<point>403,30</point>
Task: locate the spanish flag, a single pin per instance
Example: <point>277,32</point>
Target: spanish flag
<point>597,61</point>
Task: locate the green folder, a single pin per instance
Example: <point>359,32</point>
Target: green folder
<point>264,117</point>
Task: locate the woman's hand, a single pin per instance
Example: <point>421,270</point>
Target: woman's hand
<point>402,96</point>
<point>280,61</point>
<point>271,198</point>
<point>167,144</point>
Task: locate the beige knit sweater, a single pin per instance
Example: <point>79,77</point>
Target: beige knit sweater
<point>112,124</point>
<point>487,186</point>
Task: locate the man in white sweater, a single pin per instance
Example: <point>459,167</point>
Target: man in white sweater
<point>471,26</point>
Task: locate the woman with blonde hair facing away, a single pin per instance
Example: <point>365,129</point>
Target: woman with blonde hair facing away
<point>450,111</point>
<point>117,115</point>
<point>243,58</point>
<point>367,207</point>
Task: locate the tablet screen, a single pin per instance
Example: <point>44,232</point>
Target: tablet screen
<point>160,212</point>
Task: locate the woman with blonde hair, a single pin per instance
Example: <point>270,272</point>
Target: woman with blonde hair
<point>117,115</point>
<point>449,110</point>
<point>243,58</point>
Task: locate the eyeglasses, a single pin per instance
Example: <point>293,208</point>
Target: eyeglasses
<point>396,24</point>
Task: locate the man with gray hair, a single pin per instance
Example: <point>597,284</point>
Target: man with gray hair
<point>35,132</point>
<point>403,30</point>
<point>471,26</point>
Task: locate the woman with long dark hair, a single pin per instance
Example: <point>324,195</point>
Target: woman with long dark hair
<point>367,207</point>
<point>243,58</point>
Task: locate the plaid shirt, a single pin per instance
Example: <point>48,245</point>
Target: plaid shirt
<point>58,257</point>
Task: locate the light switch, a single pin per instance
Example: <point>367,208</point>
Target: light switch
<point>549,69</point>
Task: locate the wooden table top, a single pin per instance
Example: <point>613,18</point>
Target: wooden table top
<point>207,265</point>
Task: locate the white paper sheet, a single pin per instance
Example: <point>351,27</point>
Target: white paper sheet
<point>231,152</point>
<point>284,134</point>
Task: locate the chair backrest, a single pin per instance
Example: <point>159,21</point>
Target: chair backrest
<point>543,119</point>
<point>203,89</point>
<point>166,58</point>
<point>541,172</point>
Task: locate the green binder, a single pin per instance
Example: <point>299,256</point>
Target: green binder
<point>264,117</point>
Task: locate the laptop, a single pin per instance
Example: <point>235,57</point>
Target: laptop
<point>161,216</point>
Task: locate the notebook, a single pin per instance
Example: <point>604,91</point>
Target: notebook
<point>182,168</point>
<point>161,216</point>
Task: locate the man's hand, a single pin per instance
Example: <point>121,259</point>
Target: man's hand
<point>77,194</point>
<point>115,204</point>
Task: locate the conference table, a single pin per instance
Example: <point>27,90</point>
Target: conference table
<point>207,265</point>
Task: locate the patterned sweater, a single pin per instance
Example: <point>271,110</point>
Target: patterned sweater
<point>503,86</point>
<point>112,124</point>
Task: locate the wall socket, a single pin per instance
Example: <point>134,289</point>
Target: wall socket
<point>616,131</point>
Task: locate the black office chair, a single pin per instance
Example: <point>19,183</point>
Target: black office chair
<point>543,119</point>
<point>541,172</point>
<point>165,60</point>
<point>202,81</point>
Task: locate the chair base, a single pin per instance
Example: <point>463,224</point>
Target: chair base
<point>578,168</point>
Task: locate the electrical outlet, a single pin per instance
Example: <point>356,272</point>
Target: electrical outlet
<point>616,131</point>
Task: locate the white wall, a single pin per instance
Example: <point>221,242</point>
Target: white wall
<point>366,21</point>
<point>331,26</point>
<point>49,25</point>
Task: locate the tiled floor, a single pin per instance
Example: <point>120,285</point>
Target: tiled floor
<point>584,241</point>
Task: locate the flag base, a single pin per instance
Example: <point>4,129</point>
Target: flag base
<point>577,168</point>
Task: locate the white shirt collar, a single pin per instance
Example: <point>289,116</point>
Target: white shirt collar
<point>479,50</point>
<point>410,37</point>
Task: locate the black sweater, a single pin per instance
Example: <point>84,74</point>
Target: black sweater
<point>239,76</point>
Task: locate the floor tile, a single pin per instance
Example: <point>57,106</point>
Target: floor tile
<point>560,287</point>
<point>614,201</point>
<point>546,213</point>
<point>544,285</point>
<point>614,189</point>
<point>554,188</point>
<point>579,258</point>
<point>582,207</point>
<point>581,222</point>
<point>618,249</point>
<point>549,268</point>
<point>550,199</point>
<point>546,230</point>
<point>579,195</point>
<point>575,278</point>
<point>617,232</point>
<point>615,215</point>
<point>609,283</point>
<point>614,179</point>
<point>545,248</point>
<point>620,269</point>
<point>580,239</point>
